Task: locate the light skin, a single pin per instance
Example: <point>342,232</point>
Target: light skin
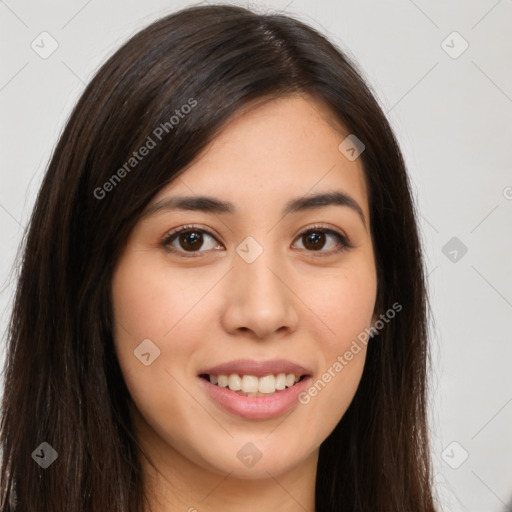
<point>300,299</point>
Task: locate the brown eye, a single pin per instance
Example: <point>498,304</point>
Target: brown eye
<point>189,239</point>
<point>316,239</point>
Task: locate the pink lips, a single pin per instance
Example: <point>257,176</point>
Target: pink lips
<point>253,408</point>
<point>256,408</point>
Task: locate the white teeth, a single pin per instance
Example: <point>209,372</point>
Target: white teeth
<point>267,384</point>
<point>222,380</point>
<point>235,382</point>
<point>251,385</point>
<point>280,381</point>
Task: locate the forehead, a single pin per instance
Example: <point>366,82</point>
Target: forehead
<point>272,151</point>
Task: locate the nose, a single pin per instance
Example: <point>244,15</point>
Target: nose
<point>259,298</point>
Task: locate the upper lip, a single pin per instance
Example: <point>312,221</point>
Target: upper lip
<point>256,368</point>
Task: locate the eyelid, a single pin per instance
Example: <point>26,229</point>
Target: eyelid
<point>343,240</point>
<point>188,227</point>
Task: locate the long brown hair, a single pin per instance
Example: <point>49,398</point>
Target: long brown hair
<point>63,383</point>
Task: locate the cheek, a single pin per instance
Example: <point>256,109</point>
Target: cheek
<point>344,304</point>
<point>149,303</point>
<point>145,307</point>
<point>150,300</point>
<point>343,310</point>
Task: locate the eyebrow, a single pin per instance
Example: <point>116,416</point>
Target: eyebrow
<point>212,205</point>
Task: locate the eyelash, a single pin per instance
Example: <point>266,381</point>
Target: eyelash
<point>344,242</point>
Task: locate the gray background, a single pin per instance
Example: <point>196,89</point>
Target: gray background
<point>452,114</point>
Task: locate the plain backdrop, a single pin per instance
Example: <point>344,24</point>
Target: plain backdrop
<point>441,71</point>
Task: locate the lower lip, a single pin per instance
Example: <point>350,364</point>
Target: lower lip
<point>256,408</point>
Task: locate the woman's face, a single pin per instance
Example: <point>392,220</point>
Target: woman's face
<point>248,289</point>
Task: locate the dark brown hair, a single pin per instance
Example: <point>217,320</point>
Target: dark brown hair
<point>63,384</point>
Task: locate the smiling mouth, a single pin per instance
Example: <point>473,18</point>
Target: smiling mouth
<point>252,386</point>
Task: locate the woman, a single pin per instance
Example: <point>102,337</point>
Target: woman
<point>221,302</point>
